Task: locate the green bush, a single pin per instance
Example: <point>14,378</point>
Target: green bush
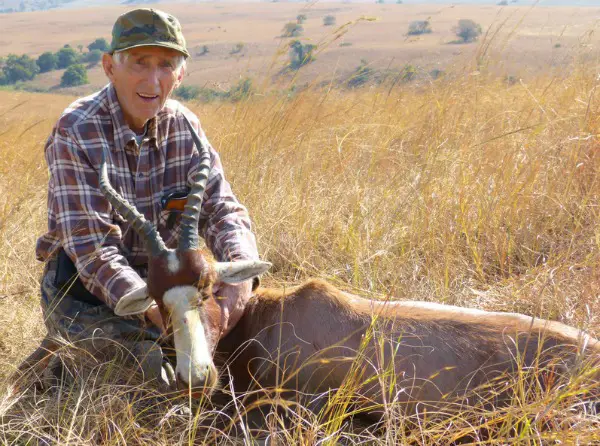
<point>300,54</point>
<point>362,74</point>
<point>186,92</point>
<point>408,73</point>
<point>301,18</point>
<point>47,62</point>
<point>99,44</point>
<point>467,30</point>
<point>436,73</point>
<point>66,56</point>
<point>237,48</point>
<point>73,76</point>
<point>329,20</point>
<point>419,27</point>
<point>19,68</point>
<point>292,29</point>
<point>242,90</point>
<point>92,57</point>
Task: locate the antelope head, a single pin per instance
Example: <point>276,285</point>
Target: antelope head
<point>180,280</point>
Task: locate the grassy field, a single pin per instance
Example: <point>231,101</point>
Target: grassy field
<point>465,191</point>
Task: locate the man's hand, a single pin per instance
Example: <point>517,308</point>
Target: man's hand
<point>232,299</point>
<point>153,314</point>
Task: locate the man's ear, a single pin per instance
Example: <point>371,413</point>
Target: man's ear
<point>108,63</point>
<point>135,302</point>
<point>180,76</point>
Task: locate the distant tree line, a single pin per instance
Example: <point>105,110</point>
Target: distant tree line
<point>240,91</point>
<point>34,5</point>
<point>23,68</point>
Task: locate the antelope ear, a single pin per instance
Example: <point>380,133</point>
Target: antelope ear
<point>135,302</point>
<point>235,272</point>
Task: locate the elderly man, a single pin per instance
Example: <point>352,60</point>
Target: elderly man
<point>93,256</point>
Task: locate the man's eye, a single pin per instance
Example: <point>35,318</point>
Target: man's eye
<point>168,65</point>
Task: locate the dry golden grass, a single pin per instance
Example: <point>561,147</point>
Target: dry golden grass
<point>465,191</point>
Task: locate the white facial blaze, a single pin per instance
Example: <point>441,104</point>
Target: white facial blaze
<point>172,262</point>
<point>193,356</point>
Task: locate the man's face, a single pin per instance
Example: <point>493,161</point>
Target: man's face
<point>144,78</point>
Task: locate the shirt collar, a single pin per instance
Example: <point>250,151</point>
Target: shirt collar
<point>123,135</point>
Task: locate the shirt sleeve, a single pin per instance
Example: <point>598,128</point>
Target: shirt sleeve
<point>224,222</point>
<point>83,221</point>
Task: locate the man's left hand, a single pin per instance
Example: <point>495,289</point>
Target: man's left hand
<point>232,299</point>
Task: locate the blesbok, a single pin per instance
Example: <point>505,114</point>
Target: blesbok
<point>314,337</point>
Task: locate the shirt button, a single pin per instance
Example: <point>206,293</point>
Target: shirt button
<point>140,175</point>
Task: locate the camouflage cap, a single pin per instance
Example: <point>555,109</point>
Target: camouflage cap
<point>147,27</point>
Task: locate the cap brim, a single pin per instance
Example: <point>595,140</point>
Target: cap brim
<point>160,44</point>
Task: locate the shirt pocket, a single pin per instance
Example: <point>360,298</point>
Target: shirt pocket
<point>169,219</point>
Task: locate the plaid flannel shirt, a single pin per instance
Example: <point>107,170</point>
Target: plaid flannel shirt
<point>109,255</point>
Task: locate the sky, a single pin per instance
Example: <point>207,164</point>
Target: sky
<point>519,2</point>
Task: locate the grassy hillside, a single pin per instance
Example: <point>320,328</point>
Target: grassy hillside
<point>526,41</point>
<point>467,191</point>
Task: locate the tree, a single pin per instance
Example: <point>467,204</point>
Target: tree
<point>47,61</point>
<point>419,27</point>
<point>19,68</point>
<point>300,54</point>
<point>467,30</point>
<point>292,29</point>
<point>73,76</point>
<point>92,57</point>
<point>99,44</point>
<point>329,20</point>
<point>67,56</point>
<point>301,18</point>
<point>203,51</point>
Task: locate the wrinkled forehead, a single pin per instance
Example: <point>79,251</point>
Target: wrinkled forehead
<point>179,268</point>
<point>152,52</point>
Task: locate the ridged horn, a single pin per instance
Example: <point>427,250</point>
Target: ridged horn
<point>188,237</point>
<point>146,230</point>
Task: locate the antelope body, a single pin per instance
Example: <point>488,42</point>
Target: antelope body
<point>312,337</point>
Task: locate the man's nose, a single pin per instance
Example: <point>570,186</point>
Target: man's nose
<point>153,76</point>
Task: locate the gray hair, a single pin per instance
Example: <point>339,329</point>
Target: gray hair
<point>120,57</point>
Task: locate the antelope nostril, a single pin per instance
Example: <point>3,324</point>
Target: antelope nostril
<point>206,380</point>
